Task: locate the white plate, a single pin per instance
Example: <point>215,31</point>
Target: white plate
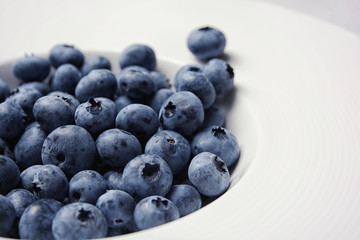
<point>297,102</point>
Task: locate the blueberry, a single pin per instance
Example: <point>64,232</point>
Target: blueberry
<point>138,119</point>
<point>7,215</point>
<point>213,116</point>
<point>122,101</point>
<point>140,55</point>
<point>27,176</point>
<point>52,112</point>
<point>79,221</point>
<point>21,199</point>
<point>5,149</point>
<point>186,198</point>
<point>136,83</point>
<point>159,98</point>
<point>182,112</point>
<point>87,186</point>
<point>117,147</point>
<point>96,115</point>
<point>186,68</point>
<point>98,83</point>
<point>70,99</point>
<point>114,180</point>
<point>209,174</point>
<point>4,90</point>
<point>170,146</point>
<point>12,121</point>
<point>95,62</point>
<point>197,83</point>
<point>160,80</point>
<point>25,97</point>
<point>154,211</point>
<point>28,149</point>
<point>219,141</point>
<point>62,53</point>
<point>206,42</point>
<point>65,78</point>
<point>221,75</point>
<point>31,68</point>
<point>70,147</point>
<point>49,181</point>
<point>117,207</point>
<point>147,175</point>
<point>9,174</point>
<point>36,221</point>
<point>118,76</point>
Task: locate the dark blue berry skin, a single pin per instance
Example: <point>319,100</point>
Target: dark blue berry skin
<point>170,146</point>
<point>160,80</point>
<point>27,150</point>
<point>71,148</point>
<point>117,147</point>
<point>221,75</point>
<point>36,221</point>
<point>186,68</point>
<point>140,55</point>
<point>147,175</point>
<point>213,116</point>
<point>209,174</point>
<point>43,88</point>
<point>186,198</point>
<point>95,62</point>
<point>4,90</point>
<point>21,199</point>
<point>96,115</point>
<point>117,207</point>
<point>98,83</point>
<point>5,149</point>
<point>138,119</point>
<point>121,102</point>
<point>31,68</point>
<point>219,141</point>
<point>119,75</point>
<point>7,215</point>
<point>198,84</point>
<point>182,112</point>
<point>87,186</point>
<point>70,99</point>
<point>159,98</point>
<point>136,83</point>
<point>206,43</point>
<point>61,54</point>
<point>49,181</point>
<point>79,221</point>
<point>154,211</point>
<point>65,78</point>
<point>25,97</point>
<point>27,176</point>
<point>9,174</point>
<point>12,121</point>
<point>52,112</point>
<point>114,180</point>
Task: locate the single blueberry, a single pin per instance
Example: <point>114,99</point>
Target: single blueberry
<point>213,116</point>
<point>71,148</point>
<point>206,42</point>
<point>9,174</point>
<point>95,62</point>
<point>219,141</point>
<point>62,53</point>
<point>79,221</point>
<point>7,216</point>
<point>31,68</point>
<point>147,175</point>
<point>98,83</point>
<point>21,199</point>
<point>36,221</point>
<point>70,99</point>
<point>209,174</point>
<point>118,76</point>
<point>159,98</point>
<point>160,80</point>
<point>87,186</point>
<point>140,55</point>
<point>12,121</point>
<point>170,146</point>
<point>186,198</point>
<point>4,90</point>
<point>65,78</point>
<point>117,147</point>
<point>221,75</point>
<point>186,68</point>
<point>117,207</point>
<point>27,176</point>
<point>182,112</point>
<point>154,211</point>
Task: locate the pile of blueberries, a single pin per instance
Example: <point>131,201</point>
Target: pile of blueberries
<point>86,153</point>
